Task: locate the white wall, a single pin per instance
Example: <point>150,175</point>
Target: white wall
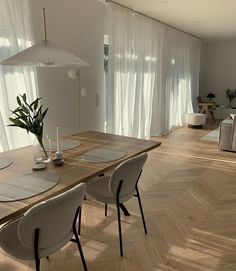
<point>219,70</point>
<point>76,26</point>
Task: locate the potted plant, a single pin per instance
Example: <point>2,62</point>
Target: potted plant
<point>211,96</point>
<point>29,116</point>
<point>230,94</point>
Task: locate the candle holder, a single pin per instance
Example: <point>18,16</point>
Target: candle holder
<point>58,154</point>
<point>58,162</point>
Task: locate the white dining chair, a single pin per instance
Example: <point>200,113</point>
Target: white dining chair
<point>121,186</point>
<point>45,228</point>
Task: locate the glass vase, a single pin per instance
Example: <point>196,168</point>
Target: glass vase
<point>42,150</point>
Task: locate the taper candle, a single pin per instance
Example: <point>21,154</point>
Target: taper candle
<point>57,128</point>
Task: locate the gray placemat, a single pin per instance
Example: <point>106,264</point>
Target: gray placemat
<point>103,155</point>
<point>64,145</point>
<point>26,186</point>
<point>5,163</point>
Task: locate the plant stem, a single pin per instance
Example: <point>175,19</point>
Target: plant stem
<point>41,144</point>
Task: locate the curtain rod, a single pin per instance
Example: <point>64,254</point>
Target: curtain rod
<point>140,13</point>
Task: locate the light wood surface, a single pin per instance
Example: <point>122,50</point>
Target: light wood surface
<point>188,190</point>
<point>74,170</point>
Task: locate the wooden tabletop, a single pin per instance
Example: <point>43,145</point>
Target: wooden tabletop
<point>74,170</point>
<point>208,103</point>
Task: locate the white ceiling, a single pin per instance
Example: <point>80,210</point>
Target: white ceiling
<point>210,20</point>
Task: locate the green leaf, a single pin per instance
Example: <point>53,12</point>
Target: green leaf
<point>24,97</point>
<point>18,100</point>
<point>25,109</point>
<point>18,123</point>
<point>36,104</point>
<point>44,113</point>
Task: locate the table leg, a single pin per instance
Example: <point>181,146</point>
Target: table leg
<point>213,117</point>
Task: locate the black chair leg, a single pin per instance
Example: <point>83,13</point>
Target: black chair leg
<point>141,210</point>
<point>79,222</point>
<point>119,227</point>
<point>37,264</point>
<point>80,250</point>
<point>105,209</point>
<point>36,252</point>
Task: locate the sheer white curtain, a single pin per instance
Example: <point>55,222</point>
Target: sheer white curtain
<point>135,56</point>
<point>182,76</point>
<point>15,35</point>
<point>153,75</point>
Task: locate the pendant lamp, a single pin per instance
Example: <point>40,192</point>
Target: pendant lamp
<point>44,54</point>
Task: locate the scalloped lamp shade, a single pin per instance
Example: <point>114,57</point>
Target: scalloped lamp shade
<point>44,54</point>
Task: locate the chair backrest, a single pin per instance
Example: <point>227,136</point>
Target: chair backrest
<point>53,217</point>
<point>128,172</point>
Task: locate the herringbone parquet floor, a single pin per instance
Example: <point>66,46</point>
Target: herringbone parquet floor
<point>188,190</point>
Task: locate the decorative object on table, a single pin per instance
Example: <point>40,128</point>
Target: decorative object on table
<point>58,161</point>
<point>39,152</point>
<point>230,94</point>
<point>103,155</point>
<point>44,54</point>
<point>27,185</point>
<point>211,96</point>
<point>5,163</point>
<point>59,153</point>
<point>39,166</point>
<point>30,116</point>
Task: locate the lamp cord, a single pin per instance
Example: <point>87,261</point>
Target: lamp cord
<point>44,22</point>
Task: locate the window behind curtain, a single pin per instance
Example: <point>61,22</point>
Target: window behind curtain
<point>15,35</point>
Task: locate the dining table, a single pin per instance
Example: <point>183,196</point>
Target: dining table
<point>75,169</point>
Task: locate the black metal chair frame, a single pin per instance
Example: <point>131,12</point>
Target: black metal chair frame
<point>76,240</point>
<point>122,207</point>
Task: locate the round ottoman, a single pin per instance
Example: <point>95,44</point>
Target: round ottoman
<point>195,120</point>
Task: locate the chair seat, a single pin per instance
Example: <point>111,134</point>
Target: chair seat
<point>9,242</point>
<point>98,188</point>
